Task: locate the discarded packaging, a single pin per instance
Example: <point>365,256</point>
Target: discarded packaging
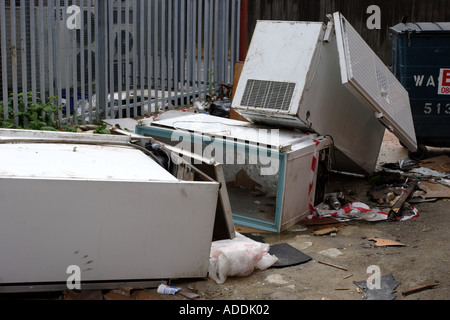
<point>353,211</point>
<point>238,257</point>
<point>165,289</point>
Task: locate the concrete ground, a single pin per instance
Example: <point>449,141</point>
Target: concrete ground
<point>424,258</point>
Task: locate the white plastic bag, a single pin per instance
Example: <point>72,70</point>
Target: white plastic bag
<point>238,257</point>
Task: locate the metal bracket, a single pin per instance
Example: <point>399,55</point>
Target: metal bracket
<point>330,27</point>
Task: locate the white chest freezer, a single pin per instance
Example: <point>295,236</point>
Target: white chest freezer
<point>99,203</point>
<point>325,79</point>
<point>271,174</point>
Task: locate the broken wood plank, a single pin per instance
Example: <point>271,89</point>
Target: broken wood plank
<point>420,288</point>
<point>398,205</point>
<point>332,265</point>
<point>325,231</point>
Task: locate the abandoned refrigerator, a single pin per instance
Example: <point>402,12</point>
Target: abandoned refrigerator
<point>326,79</point>
<point>271,174</point>
<point>99,203</point>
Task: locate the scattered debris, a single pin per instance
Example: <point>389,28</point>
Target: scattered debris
<point>287,255</point>
<point>405,195</point>
<point>238,257</point>
<point>188,294</point>
<point>385,292</point>
<point>353,211</point>
<point>82,295</point>
<point>137,295</point>
<point>325,231</point>
<point>334,200</point>
<point>434,190</point>
<point>276,279</point>
<point>385,242</point>
<point>332,252</point>
<point>440,163</point>
<point>323,223</point>
<point>420,288</point>
<point>165,289</point>
<point>332,265</point>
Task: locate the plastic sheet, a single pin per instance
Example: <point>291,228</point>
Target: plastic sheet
<point>238,257</point>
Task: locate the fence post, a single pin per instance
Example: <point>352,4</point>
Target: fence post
<point>102,56</point>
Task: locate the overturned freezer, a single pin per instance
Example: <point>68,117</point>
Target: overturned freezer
<point>271,175</point>
<point>325,79</point>
<point>99,203</point>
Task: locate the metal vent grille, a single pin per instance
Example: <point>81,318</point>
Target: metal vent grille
<point>268,94</point>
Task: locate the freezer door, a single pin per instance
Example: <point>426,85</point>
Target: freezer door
<point>366,76</point>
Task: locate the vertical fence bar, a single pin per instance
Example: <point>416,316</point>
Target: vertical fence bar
<point>176,62</point>
<point>90,82</point>
<point>206,50</point>
<point>111,63</point>
<point>58,21</point>
<point>42,71</point>
<point>233,39</point>
<point>182,51</point>
<point>193,46</point>
<point>189,35</point>
<point>127,58</point>
<point>82,64</point>
<point>199,47</point>
<point>119,57</point>
<point>211,45</point>
<point>163,54</point>
<point>155,51</point>
<point>170,73</point>
<point>135,58</point>
<point>226,32</point>
<point>149,55</point>
<point>50,27</point>
<point>141,56</point>
<point>73,33</point>
<point>23,52</point>
<point>68,66</point>
<point>13,49</point>
<point>4,58</point>
<point>102,55</point>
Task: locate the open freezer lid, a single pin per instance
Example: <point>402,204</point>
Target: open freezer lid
<point>366,76</point>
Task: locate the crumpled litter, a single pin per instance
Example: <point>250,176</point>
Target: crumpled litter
<point>358,211</point>
<point>352,211</point>
<point>238,257</point>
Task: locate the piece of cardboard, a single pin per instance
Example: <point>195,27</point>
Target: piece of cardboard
<point>434,190</point>
<point>385,242</point>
